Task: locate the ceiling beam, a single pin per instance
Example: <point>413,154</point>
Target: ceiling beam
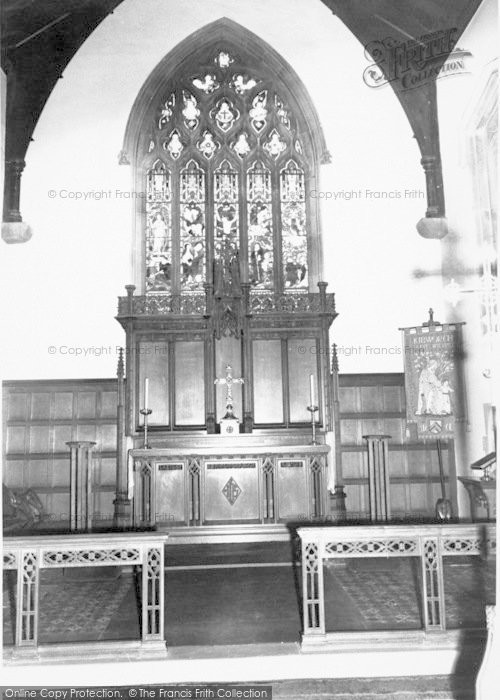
<point>409,43</point>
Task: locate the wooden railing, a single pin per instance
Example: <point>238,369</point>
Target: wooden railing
<point>430,543</point>
<point>29,555</point>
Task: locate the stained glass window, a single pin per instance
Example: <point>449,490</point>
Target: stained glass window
<point>226,206</point>
<point>166,111</point>
<point>229,171</point>
<point>158,229</point>
<point>293,226</point>
<point>192,216</point>
<point>260,226</point>
<point>190,111</point>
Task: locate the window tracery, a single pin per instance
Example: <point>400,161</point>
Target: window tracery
<point>228,172</point>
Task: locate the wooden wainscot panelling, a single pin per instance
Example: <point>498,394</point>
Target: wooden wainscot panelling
<point>63,405</point>
<point>40,417</point>
<point>16,439</point>
<point>375,404</point>
<point>40,406</point>
<point>18,406</point>
<point>86,404</point>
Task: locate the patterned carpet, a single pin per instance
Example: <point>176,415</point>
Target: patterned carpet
<point>469,585</point>
<point>93,606</point>
<point>366,597</point>
<point>379,594</point>
<point>103,608</point>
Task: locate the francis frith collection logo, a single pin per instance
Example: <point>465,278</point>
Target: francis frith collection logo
<point>414,62</point>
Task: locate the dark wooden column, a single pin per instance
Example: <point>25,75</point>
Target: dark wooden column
<point>338,499</point>
<point>14,230</point>
<point>80,485</point>
<point>122,502</point>
<point>130,357</point>
<point>12,192</point>
<point>247,360</point>
<point>209,361</point>
<point>324,359</point>
<point>378,477</point>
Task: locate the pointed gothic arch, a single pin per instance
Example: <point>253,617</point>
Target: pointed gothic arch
<point>224,98</point>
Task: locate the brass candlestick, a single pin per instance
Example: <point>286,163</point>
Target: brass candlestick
<point>312,410</point>
<point>146,412</point>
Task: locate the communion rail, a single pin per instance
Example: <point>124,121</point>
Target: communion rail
<point>430,543</point>
<point>29,556</point>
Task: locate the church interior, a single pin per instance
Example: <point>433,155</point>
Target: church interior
<point>250,378</point>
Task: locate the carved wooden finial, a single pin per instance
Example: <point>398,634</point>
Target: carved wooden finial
<point>120,370</point>
<point>431,322</point>
<point>335,359</point>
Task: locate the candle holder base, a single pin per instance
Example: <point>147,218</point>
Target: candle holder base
<point>312,410</point>
<point>146,412</point>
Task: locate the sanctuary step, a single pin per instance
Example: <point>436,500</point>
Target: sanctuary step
<point>455,687</point>
<point>230,554</point>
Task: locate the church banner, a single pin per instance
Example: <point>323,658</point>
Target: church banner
<point>433,378</point>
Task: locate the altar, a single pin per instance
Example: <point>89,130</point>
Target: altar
<point>228,484</point>
<point>228,387</point>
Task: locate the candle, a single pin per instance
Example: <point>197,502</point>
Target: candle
<point>311,388</point>
<point>146,393</point>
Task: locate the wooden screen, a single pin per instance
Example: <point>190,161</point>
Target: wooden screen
<point>302,362</point>
<point>189,383</point>
<point>153,358</point>
<point>228,351</point>
<point>267,382</point>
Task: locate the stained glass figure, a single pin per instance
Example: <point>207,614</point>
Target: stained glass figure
<point>223,59</point>
<point>190,112</point>
<point>167,111</point>
<point>225,114</point>
<point>241,145</point>
<point>243,83</point>
<point>281,112</point>
<point>158,228</point>
<point>174,144</point>
<point>275,144</point>
<point>226,205</point>
<point>192,214</point>
<point>208,146</point>
<point>258,112</point>
<point>208,84</point>
<point>158,183</point>
<point>260,230</point>
<point>293,226</point>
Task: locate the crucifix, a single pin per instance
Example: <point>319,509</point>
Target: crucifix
<point>229,380</point>
<point>229,424</point>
